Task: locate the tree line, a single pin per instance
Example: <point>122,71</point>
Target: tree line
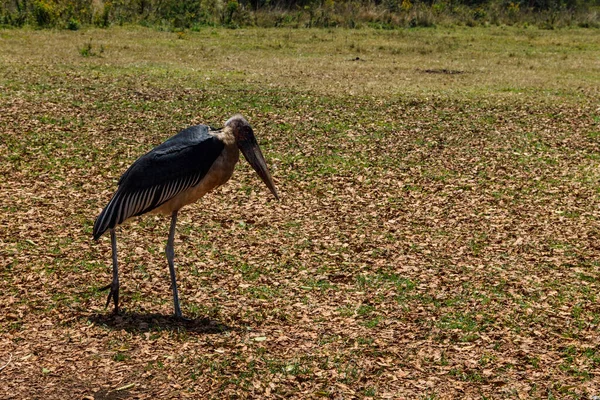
<point>182,14</point>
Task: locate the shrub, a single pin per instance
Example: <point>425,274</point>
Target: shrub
<point>43,13</point>
<point>101,15</point>
<point>88,50</point>
<point>73,24</point>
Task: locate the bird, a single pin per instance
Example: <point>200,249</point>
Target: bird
<point>176,173</point>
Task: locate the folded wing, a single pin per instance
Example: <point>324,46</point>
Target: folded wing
<point>159,175</point>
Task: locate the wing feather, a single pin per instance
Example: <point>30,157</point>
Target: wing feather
<point>139,201</point>
<point>126,207</point>
<point>120,209</point>
<point>102,218</point>
<point>151,195</point>
<point>135,204</point>
<point>145,200</point>
<point>167,190</point>
<point>173,190</point>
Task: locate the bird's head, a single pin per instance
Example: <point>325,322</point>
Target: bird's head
<point>246,142</point>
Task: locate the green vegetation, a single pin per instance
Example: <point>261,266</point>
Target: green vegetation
<point>386,14</point>
<point>437,235</point>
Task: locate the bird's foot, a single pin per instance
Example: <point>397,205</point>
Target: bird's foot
<point>112,294</point>
<point>178,315</point>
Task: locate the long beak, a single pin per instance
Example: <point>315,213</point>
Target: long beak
<point>254,156</point>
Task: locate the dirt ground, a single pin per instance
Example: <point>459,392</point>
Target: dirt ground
<point>437,236</point>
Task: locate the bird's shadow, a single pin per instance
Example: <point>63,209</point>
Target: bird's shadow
<point>137,322</point>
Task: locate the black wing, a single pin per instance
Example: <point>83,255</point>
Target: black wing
<point>159,175</point>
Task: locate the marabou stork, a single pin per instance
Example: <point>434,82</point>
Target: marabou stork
<point>175,173</point>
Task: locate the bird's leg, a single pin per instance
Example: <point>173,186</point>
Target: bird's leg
<point>114,286</point>
<point>170,254</point>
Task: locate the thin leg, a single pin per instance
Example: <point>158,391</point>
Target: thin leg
<point>170,254</point>
<point>114,286</point>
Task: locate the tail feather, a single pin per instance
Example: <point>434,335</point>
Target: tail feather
<point>106,219</point>
<point>99,226</point>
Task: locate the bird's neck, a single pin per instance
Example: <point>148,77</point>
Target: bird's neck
<point>226,135</point>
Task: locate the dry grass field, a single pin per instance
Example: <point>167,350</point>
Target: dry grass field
<point>438,235</point>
